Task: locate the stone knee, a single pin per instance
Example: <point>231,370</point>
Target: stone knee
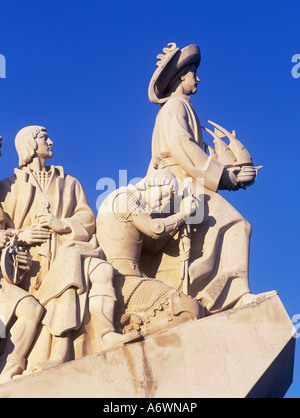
<point>240,220</point>
<point>28,313</point>
<point>102,296</point>
<point>101,276</point>
<point>29,309</point>
<point>248,227</point>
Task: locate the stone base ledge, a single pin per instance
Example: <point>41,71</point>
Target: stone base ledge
<point>243,352</point>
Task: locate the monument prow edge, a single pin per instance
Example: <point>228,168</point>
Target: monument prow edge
<point>242,352</point>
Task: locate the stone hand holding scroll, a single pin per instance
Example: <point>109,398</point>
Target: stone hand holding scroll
<point>53,223</point>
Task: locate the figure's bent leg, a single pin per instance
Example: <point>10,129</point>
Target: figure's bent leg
<point>230,279</point>
<point>28,313</point>
<point>203,266</point>
<point>40,351</point>
<point>220,256</point>
<point>101,305</point>
<point>60,348</point>
<point>48,351</point>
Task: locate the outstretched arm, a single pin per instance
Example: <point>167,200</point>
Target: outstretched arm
<point>159,227</point>
<point>159,231</point>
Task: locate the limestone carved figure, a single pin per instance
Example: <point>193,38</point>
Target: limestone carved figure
<point>50,214</point>
<point>20,312</point>
<point>219,253</point>
<point>127,222</point>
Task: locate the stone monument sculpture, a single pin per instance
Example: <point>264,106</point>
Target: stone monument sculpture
<point>50,214</point>
<point>17,306</point>
<point>164,267</point>
<point>219,253</point>
<point>124,226</point>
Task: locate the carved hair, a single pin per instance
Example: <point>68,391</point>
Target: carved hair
<point>26,144</point>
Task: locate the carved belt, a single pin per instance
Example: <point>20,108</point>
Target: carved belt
<point>171,164</point>
<point>167,162</point>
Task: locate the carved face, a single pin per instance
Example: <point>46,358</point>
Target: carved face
<point>44,143</point>
<point>189,81</point>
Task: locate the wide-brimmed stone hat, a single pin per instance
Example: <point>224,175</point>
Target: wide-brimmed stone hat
<point>170,62</point>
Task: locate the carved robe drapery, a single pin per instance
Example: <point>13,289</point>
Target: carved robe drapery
<point>221,239</point>
<point>22,198</point>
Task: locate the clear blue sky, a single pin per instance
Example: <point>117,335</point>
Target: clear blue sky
<point>82,70</point>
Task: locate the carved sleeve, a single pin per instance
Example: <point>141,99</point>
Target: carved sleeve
<point>185,150</point>
<point>157,228</point>
<point>81,218</point>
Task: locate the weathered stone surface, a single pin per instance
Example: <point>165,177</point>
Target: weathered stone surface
<point>245,352</point>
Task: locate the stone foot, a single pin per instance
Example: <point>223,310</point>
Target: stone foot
<point>10,371</point>
<point>113,339</point>
<point>251,298</point>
